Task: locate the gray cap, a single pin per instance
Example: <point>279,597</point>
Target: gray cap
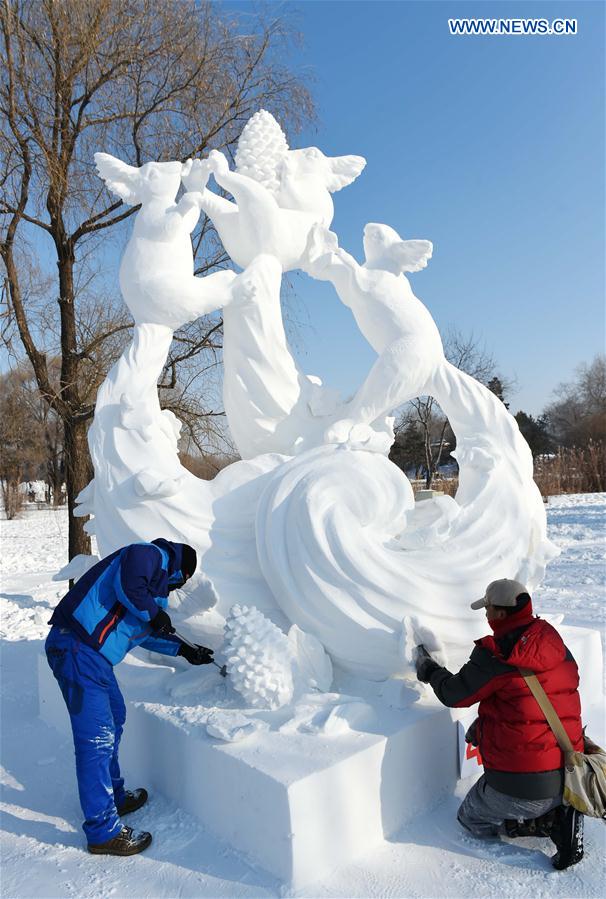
<point>500,593</point>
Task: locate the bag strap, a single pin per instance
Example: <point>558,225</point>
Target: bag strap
<point>548,710</point>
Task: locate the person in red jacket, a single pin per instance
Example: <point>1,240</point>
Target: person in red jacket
<point>520,792</point>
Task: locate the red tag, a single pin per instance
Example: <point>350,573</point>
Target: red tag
<point>473,752</point>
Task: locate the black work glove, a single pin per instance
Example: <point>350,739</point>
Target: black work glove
<point>161,623</point>
<point>424,664</point>
<point>196,655</point>
<point>472,732</point>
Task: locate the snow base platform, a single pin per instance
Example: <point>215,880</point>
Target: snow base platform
<point>319,785</point>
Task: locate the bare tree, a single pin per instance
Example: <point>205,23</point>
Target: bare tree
<point>46,430</point>
<point>422,423</point>
<point>144,79</point>
<point>21,447</point>
<point>578,415</point>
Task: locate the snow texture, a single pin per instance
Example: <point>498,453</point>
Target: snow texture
<point>259,659</point>
<point>268,668</point>
<point>262,147</point>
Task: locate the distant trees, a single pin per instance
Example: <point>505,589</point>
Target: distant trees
<point>535,431</point>
<point>495,385</point>
<point>31,440</point>
<point>567,441</point>
<point>578,414</point>
<point>21,451</point>
<point>408,450</point>
<point>144,79</point>
<point>572,470</point>
<point>423,436</point>
<point>575,423</point>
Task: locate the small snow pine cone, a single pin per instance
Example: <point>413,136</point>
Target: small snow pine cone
<point>259,658</point>
<point>261,146</point>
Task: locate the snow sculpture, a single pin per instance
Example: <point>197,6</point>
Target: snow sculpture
<point>258,659</point>
<point>266,666</point>
<point>272,406</point>
<point>261,148</point>
<point>157,271</point>
<point>141,491</point>
<point>395,323</point>
<point>348,554</point>
<point>274,214</point>
<point>315,528</point>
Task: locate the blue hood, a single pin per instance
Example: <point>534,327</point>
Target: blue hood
<point>175,554</point>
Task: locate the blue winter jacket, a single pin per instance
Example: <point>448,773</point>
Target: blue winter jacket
<point>110,608</point>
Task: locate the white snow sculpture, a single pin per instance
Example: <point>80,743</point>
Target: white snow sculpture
<point>272,215</point>
<point>395,323</point>
<point>324,540</point>
<point>76,567</point>
<point>157,271</point>
<point>272,406</point>
<point>258,658</point>
<point>268,667</point>
<point>261,148</point>
<point>337,534</point>
<point>141,491</point>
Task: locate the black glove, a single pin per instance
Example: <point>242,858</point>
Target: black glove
<point>161,623</point>
<point>196,655</point>
<point>472,732</point>
<point>424,664</point>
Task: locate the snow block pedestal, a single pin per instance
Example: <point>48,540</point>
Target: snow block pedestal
<point>297,804</point>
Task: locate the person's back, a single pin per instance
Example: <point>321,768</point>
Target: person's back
<point>111,607</point>
<point>118,604</point>
<point>523,763</point>
<point>520,752</point>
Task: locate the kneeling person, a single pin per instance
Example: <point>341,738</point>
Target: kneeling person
<point>523,764</point>
<point>120,603</point>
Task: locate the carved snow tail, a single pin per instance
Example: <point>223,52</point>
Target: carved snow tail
<point>261,146</point>
<point>259,658</point>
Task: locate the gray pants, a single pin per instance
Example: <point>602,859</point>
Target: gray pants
<point>484,809</point>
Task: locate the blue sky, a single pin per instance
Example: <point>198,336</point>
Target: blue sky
<point>491,147</point>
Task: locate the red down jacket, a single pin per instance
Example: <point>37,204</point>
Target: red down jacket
<point>520,753</point>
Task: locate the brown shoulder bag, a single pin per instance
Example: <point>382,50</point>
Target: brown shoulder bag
<point>584,772</point>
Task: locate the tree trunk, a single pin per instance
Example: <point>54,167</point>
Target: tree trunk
<point>11,496</point>
<point>77,475</point>
<point>428,462</point>
<point>78,468</point>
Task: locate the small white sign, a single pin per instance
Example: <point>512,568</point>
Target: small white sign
<point>470,760</point>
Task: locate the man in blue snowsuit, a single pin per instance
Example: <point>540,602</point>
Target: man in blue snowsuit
<point>118,604</point>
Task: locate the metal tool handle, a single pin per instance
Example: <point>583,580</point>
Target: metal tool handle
<point>222,668</point>
<point>185,640</point>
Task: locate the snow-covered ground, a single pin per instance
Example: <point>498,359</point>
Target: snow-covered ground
<point>41,840</point>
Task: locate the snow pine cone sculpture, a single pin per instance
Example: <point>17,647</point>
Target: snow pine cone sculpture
<point>259,658</point>
<point>261,146</point>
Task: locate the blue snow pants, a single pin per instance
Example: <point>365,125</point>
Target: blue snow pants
<point>97,712</point>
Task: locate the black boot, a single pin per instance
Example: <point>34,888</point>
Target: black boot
<point>127,842</point>
<point>567,834</point>
<point>531,827</point>
<point>133,799</point>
